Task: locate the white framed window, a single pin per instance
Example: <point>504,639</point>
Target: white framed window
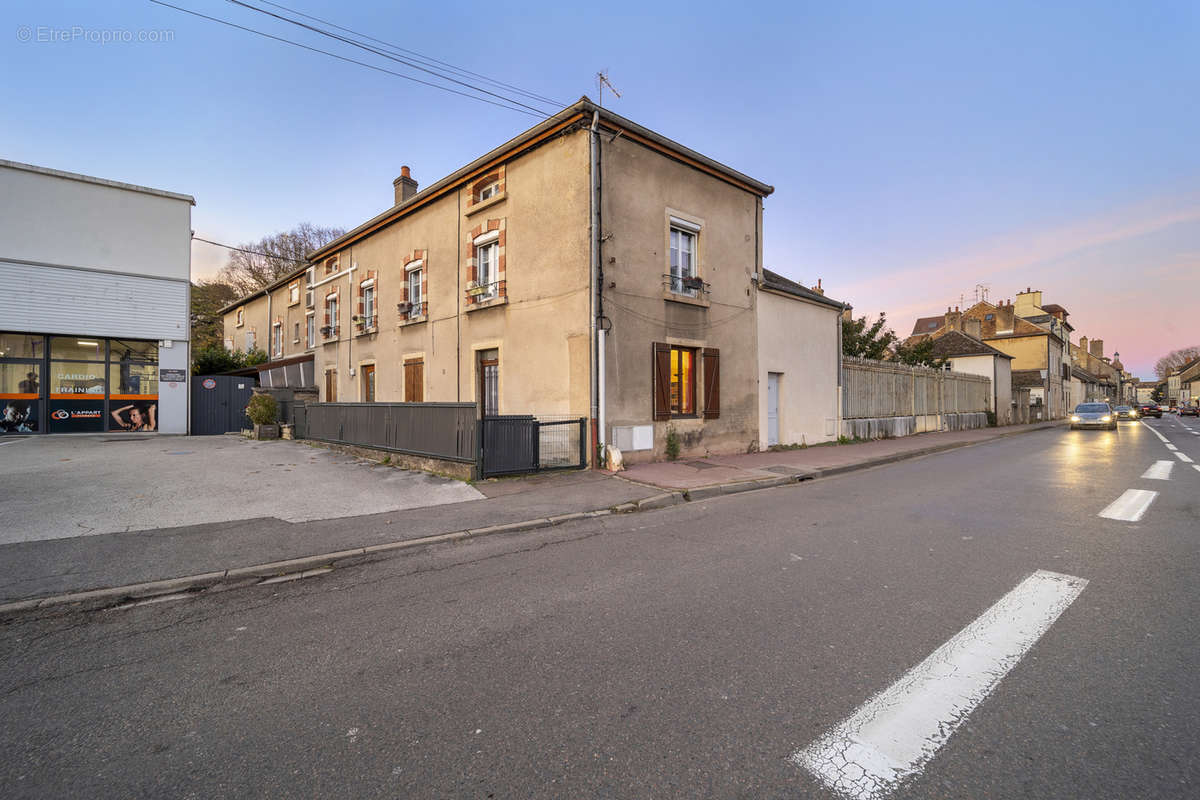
<point>487,264</point>
<point>682,267</point>
<point>296,333</point>
<point>241,317</point>
<point>250,341</point>
<point>331,316</point>
<point>277,338</point>
<point>489,191</point>
<point>368,296</point>
<point>414,271</point>
<point>310,332</point>
<point>294,294</point>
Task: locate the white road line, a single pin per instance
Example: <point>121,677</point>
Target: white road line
<point>1156,433</point>
<point>1130,506</point>
<point>1183,457</point>
<point>1171,446</point>
<point>1161,471</point>
<point>894,734</point>
<point>1196,467</point>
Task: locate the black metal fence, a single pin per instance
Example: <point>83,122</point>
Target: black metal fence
<point>432,430</point>
<point>520,443</point>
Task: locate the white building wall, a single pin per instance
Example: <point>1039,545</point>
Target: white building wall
<point>53,217</point>
<point>800,340</point>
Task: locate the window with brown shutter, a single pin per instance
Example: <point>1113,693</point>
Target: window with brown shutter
<point>662,381</point>
<point>712,382</point>
<point>414,380</point>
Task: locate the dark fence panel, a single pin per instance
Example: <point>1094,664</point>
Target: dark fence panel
<point>433,430</point>
<point>519,443</point>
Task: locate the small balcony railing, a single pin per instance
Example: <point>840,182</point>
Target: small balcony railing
<point>687,286</point>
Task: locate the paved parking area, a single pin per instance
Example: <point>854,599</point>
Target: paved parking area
<point>54,487</point>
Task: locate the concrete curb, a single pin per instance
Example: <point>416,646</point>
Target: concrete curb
<point>244,576</point>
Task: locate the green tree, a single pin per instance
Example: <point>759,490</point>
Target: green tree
<point>215,359</point>
<point>919,354</point>
<point>864,339</point>
<point>208,298</point>
<point>1159,394</point>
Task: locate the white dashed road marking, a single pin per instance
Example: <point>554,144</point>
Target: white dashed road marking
<point>1183,457</point>
<point>1130,506</point>
<point>894,734</point>
<point>1161,471</point>
<point>1156,433</point>
<point>1171,446</point>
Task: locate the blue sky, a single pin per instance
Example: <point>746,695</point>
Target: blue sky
<point>917,149</point>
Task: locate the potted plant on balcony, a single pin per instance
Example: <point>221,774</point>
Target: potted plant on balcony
<point>693,282</point>
<point>474,289</point>
<point>263,411</point>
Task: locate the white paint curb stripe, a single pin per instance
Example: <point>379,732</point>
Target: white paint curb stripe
<point>1183,457</point>
<point>1130,506</point>
<point>894,734</point>
<point>1161,471</point>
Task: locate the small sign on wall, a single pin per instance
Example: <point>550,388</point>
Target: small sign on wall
<point>169,375</point>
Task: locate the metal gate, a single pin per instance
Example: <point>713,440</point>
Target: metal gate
<point>521,443</point>
<point>219,404</point>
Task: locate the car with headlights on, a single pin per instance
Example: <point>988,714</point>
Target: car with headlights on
<point>1126,412</point>
<point>1150,410</point>
<point>1094,415</point>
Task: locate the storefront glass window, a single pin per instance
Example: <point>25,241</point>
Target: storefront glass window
<point>21,345</point>
<point>69,379</point>
<point>125,350</point>
<point>20,385</point>
<point>132,381</point>
<point>77,348</point>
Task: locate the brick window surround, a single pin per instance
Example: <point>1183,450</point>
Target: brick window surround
<point>360,306</point>
<point>421,256</point>
<point>477,186</point>
<point>501,286</point>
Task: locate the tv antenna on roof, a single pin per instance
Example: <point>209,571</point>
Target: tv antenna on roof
<point>981,291</point>
<point>602,81</point>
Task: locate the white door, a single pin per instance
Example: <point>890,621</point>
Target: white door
<point>773,407</point>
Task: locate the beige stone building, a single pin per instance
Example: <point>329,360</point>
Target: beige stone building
<point>588,268</point>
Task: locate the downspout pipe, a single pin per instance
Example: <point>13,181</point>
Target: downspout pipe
<point>598,377</point>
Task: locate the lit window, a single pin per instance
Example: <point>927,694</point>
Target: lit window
<point>683,381</point>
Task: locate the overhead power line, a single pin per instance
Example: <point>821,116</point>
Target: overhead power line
<point>370,49</point>
<point>538,114</point>
<point>275,256</point>
<point>430,60</point>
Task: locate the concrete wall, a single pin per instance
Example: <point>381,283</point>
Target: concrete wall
<point>999,372</point>
<point>60,219</point>
<point>641,191</point>
<point>799,339</point>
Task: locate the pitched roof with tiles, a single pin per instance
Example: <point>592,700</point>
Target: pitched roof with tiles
<point>1027,377</point>
<point>957,343</point>
<point>927,325</point>
<point>773,280</point>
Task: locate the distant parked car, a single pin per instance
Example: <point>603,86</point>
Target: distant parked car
<point>1189,411</point>
<point>1126,412</point>
<point>1094,415</point>
<point>1150,410</point>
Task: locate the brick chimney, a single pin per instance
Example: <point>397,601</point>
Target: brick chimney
<point>1005,317</point>
<point>1096,348</point>
<point>972,327</point>
<point>1083,344</point>
<point>953,319</point>
<point>405,186</point>
<point>818,288</point>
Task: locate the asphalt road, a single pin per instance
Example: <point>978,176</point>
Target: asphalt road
<point>688,652</point>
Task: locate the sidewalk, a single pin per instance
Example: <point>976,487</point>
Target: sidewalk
<point>36,569</point>
<point>715,471</point>
<point>114,567</point>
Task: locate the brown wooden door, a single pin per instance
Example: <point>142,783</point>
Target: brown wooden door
<point>331,386</point>
<point>414,380</point>
<point>368,379</point>
<point>489,383</point>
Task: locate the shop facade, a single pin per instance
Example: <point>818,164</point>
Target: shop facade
<point>94,322</point>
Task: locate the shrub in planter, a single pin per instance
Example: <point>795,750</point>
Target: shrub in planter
<point>262,409</point>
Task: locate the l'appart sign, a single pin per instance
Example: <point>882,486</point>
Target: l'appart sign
<point>76,416</point>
